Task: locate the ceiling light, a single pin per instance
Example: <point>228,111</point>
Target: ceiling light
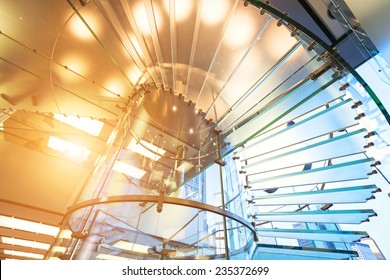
<point>141,17</point>
<point>25,243</point>
<point>59,249</point>
<point>213,12</point>
<point>148,152</point>
<point>115,87</point>
<point>15,223</point>
<point>74,63</point>
<point>65,234</point>
<point>130,246</point>
<point>79,28</point>
<point>238,36</point>
<point>182,8</point>
<point>135,75</point>
<point>129,170</point>
<point>110,257</point>
<point>87,125</point>
<point>184,167</point>
<point>66,147</point>
<point>283,43</point>
<point>23,254</point>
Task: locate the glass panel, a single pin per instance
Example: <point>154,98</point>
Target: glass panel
<point>205,45</point>
<point>339,146</point>
<point>136,45</point>
<point>342,195</point>
<point>263,89</point>
<point>225,91</point>
<point>107,41</point>
<point>321,235</point>
<point>278,252</point>
<point>332,216</point>
<point>277,108</point>
<point>43,88</point>
<point>269,113</point>
<point>335,118</point>
<point>139,235</point>
<point>353,170</point>
<point>162,32</point>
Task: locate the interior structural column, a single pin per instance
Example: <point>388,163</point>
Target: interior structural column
<point>221,164</point>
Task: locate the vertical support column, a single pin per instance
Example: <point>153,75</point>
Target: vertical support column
<point>221,164</point>
<point>181,151</point>
<point>197,170</point>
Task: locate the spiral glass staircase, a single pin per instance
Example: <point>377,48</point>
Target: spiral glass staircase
<point>181,130</point>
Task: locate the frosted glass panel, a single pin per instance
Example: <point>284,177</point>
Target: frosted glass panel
<point>320,235</point>
<point>335,118</point>
<point>270,112</point>
<point>279,252</point>
<point>333,216</point>
<point>342,195</point>
<point>340,146</point>
<point>353,170</point>
<point>262,92</point>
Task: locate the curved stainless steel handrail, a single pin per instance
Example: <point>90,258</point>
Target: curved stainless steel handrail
<point>167,200</point>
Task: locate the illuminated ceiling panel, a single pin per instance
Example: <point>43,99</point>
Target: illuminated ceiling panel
<point>25,243</point>
<point>110,257</point>
<point>129,170</point>
<point>146,149</point>
<point>24,254</point>
<point>130,246</point>
<point>15,223</point>
<point>88,125</point>
<point>66,147</point>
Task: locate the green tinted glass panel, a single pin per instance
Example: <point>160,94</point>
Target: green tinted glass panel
<point>341,195</point>
<point>332,216</point>
<point>340,146</point>
<point>279,252</point>
<point>353,170</point>
<point>320,235</point>
<point>335,118</point>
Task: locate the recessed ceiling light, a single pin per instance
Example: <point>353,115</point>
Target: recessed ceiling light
<point>79,28</point>
<point>65,234</point>
<point>141,17</point>
<point>87,125</point>
<point>110,257</point>
<point>23,254</point>
<point>63,146</point>
<point>115,86</point>
<point>25,243</point>
<point>174,108</point>
<point>130,246</point>
<point>59,249</point>
<point>213,12</point>
<point>24,225</point>
<point>182,9</point>
<point>127,169</point>
<point>150,151</point>
<point>184,167</point>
